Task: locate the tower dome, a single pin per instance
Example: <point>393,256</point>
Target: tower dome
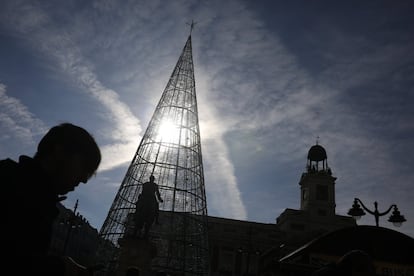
<point>317,153</point>
<point>317,157</point>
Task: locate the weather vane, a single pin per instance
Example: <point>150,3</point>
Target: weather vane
<point>192,24</point>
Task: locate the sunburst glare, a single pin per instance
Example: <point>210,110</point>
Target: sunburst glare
<point>168,132</point>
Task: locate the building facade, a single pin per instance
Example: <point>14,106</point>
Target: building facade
<point>236,246</point>
<point>250,248</point>
<point>74,236</point>
<point>316,215</point>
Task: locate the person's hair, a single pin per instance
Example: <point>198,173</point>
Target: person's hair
<point>72,140</point>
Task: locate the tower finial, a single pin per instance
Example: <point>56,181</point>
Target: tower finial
<point>192,24</point>
<point>317,140</point>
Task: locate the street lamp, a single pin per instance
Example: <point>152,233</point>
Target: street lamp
<point>356,212</point>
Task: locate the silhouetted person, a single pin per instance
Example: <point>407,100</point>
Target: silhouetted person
<point>353,263</point>
<point>147,208</point>
<point>66,156</point>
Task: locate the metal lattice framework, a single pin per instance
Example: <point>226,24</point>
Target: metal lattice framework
<point>170,150</point>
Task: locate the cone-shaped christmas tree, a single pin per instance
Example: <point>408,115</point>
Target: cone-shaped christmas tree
<point>170,150</point>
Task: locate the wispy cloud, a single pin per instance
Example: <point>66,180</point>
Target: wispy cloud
<point>20,123</point>
<point>58,44</point>
<point>223,193</point>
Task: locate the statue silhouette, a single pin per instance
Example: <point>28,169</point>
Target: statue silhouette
<point>147,207</point>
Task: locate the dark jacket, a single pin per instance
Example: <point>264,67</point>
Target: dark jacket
<point>29,210</point>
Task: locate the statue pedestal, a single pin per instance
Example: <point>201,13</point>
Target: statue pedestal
<point>136,252</point>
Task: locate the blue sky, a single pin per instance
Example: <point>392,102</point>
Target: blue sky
<point>271,76</point>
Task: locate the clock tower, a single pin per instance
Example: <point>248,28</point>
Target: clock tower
<point>316,215</point>
<point>317,185</point>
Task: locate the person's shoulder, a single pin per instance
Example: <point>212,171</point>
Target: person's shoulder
<point>8,164</point>
<point>24,162</point>
<point>9,170</point>
<point>13,171</point>
<point>7,161</point>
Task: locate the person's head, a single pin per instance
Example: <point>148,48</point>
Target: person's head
<point>69,154</point>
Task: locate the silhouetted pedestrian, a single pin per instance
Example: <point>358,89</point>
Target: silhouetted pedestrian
<point>66,156</point>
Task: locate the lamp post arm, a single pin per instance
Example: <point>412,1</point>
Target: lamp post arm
<point>389,209</point>
<point>365,208</point>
